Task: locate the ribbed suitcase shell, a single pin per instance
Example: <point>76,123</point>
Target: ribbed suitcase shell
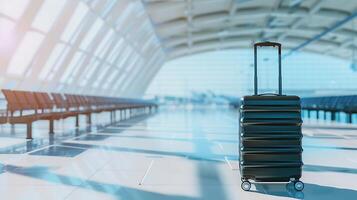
<point>270,138</point>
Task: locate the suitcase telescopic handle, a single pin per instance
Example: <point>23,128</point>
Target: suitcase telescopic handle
<point>266,44</point>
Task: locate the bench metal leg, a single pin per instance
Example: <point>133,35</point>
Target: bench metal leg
<point>29,131</point>
<point>77,121</point>
<point>51,140</point>
<point>89,122</point>
<point>52,126</point>
<point>89,119</point>
<point>338,117</point>
<point>12,129</point>
<point>349,118</point>
<point>325,115</point>
<point>333,116</point>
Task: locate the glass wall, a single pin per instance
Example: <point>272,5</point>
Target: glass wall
<point>230,72</point>
<point>76,46</point>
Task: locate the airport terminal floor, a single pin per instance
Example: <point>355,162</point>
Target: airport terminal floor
<point>176,153</point>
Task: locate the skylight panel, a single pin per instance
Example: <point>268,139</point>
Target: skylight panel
<point>115,51</point>
<point>110,79</point>
<point>48,13</point>
<point>93,31</point>
<point>52,60</point>
<point>7,28</point>
<point>125,55</point>
<point>25,53</point>
<point>75,60</point>
<point>101,76</point>
<point>77,17</point>
<point>94,64</point>
<point>58,63</point>
<point>125,14</point>
<point>13,8</point>
<point>119,80</point>
<point>108,8</point>
<point>76,69</point>
<point>100,51</point>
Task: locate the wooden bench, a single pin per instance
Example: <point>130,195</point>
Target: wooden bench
<point>24,107</point>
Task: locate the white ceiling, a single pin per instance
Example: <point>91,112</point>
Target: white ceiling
<point>192,26</point>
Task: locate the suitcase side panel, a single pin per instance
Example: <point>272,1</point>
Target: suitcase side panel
<point>270,138</point>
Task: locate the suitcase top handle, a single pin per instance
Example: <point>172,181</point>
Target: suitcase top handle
<point>266,44</point>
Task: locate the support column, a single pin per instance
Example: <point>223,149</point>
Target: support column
<point>325,115</point>
<point>317,114</point>
<point>89,119</point>
<point>308,114</point>
<point>333,116</point>
<point>349,118</point>
<point>29,146</point>
<point>51,127</point>
<point>111,117</point>
<point>89,122</point>
<point>29,130</point>
<point>51,140</point>
<point>338,116</point>
<point>77,121</point>
<point>12,129</point>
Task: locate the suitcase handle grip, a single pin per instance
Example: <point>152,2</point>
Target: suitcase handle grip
<point>268,94</point>
<point>266,44</point>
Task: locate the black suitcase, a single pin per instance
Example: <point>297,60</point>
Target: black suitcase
<point>270,134</point>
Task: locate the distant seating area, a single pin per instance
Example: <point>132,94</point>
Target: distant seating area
<point>326,106</point>
<point>331,104</point>
<point>25,107</point>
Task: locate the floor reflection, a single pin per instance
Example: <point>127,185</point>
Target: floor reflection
<point>278,189</point>
<point>78,159</point>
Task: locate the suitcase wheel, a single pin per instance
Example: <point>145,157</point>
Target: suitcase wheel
<point>298,185</point>
<point>246,185</point>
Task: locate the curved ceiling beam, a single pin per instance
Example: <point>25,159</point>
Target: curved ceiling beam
<point>244,43</point>
<point>247,35</point>
<point>223,20</point>
<point>217,34</point>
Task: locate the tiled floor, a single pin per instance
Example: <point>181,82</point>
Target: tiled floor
<point>175,154</point>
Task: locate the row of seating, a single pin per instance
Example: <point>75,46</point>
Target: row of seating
<point>333,104</point>
<point>25,107</point>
